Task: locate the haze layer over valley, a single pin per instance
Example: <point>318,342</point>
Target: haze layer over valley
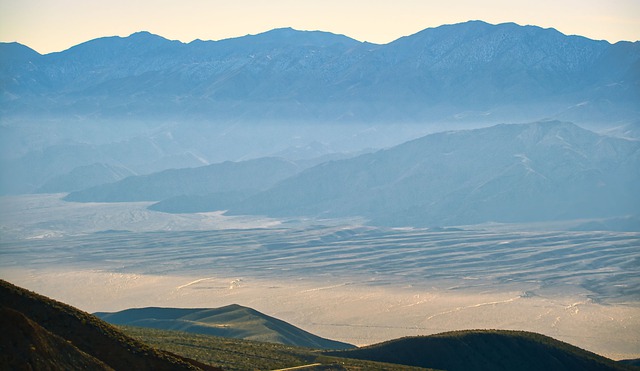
<point>144,103</point>
<point>467,176</point>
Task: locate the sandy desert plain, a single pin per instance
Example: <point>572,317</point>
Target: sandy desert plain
<point>339,279</point>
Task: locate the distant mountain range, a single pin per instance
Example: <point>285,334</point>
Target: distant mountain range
<point>143,103</point>
<point>226,179</point>
<point>506,173</point>
<point>541,171</point>
<point>232,321</point>
<point>289,75</point>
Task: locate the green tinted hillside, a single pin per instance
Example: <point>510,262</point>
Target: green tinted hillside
<point>484,350</point>
<point>40,333</point>
<point>232,321</point>
<point>236,354</point>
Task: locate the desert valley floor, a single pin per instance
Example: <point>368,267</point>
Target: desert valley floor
<point>339,279</point>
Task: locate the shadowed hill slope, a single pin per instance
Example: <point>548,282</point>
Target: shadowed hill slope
<point>40,333</point>
<point>240,355</point>
<point>24,342</point>
<point>46,334</point>
<point>484,350</point>
<point>232,321</point>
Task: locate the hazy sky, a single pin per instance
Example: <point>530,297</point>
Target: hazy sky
<point>54,25</point>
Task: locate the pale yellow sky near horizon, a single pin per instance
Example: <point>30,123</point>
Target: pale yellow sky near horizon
<point>54,25</point>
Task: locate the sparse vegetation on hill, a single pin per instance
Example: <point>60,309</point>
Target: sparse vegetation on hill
<point>43,325</point>
<point>236,354</point>
<point>231,321</point>
<point>484,350</point>
<point>40,333</point>
<point>25,343</point>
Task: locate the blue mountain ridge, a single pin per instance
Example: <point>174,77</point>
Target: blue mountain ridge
<point>145,103</point>
<point>541,171</point>
<point>286,74</point>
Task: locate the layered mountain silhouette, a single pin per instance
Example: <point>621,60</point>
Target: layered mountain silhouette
<point>228,180</point>
<point>146,104</point>
<point>506,173</point>
<point>542,171</point>
<point>233,321</point>
<point>85,177</point>
<point>286,74</point>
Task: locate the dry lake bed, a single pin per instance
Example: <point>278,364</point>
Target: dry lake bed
<point>339,279</point>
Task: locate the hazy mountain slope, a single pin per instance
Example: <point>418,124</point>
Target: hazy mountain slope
<point>477,65</point>
<point>62,162</point>
<point>506,173</point>
<point>629,131</point>
<point>244,177</point>
<point>484,350</point>
<point>256,95</point>
<point>233,321</point>
<point>226,200</point>
<point>145,73</point>
<point>85,177</point>
<point>199,204</point>
<point>46,322</point>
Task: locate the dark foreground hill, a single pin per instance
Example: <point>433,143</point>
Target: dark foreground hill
<point>240,355</point>
<point>484,350</point>
<point>24,342</point>
<point>40,333</point>
<point>232,321</point>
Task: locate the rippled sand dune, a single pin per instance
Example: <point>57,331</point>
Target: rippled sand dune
<point>340,280</point>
